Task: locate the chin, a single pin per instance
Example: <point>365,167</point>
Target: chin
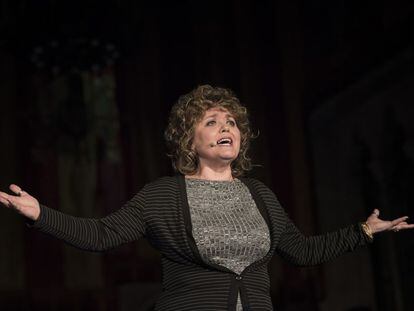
<point>230,157</point>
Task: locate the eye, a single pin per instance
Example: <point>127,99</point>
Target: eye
<point>231,122</point>
<point>211,122</point>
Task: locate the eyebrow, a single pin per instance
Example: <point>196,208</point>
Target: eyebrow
<point>215,115</point>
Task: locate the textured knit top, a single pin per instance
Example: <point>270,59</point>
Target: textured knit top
<point>227,226</point>
<point>160,212</point>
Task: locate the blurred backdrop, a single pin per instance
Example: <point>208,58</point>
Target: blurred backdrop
<point>85,92</point>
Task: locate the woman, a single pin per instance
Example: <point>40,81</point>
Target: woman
<point>216,230</point>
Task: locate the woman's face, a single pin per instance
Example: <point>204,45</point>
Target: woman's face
<point>217,138</point>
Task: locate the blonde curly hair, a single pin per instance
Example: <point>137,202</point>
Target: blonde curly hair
<point>188,111</point>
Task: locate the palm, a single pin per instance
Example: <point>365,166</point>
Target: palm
<point>22,202</point>
<point>378,225</point>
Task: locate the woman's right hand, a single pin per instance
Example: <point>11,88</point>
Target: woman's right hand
<point>22,202</point>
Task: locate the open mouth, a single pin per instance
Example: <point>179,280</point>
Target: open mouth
<point>225,142</point>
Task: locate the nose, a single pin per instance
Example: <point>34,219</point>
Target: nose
<point>224,128</point>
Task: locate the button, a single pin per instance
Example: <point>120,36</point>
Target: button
<point>239,277</point>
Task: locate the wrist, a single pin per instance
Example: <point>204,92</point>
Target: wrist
<point>366,228</point>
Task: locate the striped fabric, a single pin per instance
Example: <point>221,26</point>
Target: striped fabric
<point>160,213</point>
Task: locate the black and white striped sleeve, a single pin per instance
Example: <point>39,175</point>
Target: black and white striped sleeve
<point>120,227</point>
<point>313,250</point>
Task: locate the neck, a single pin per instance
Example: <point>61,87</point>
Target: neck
<point>213,173</point>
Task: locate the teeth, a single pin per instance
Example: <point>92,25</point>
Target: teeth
<point>224,141</point>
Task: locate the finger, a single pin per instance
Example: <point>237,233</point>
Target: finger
<point>397,227</point>
<point>16,189</point>
<point>4,195</point>
<point>12,203</point>
<point>405,226</point>
<point>395,222</point>
<point>12,200</point>
<point>4,201</point>
<point>402,226</point>
<point>7,196</point>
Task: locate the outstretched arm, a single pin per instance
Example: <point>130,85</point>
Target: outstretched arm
<point>122,226</point>
<point>307,251</point>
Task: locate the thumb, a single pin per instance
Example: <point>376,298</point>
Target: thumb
<point>16,189</point>
<point>376,212</point>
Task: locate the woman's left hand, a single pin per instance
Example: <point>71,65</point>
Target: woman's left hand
<point>378,225</point>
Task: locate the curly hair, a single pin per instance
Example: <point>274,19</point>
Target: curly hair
<point>188,111</point>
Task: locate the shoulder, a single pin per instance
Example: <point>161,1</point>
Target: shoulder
<point>264,197</point>
<point>256,184</point>
<point>162,189</point>
<point>162,185</point>
<point>164,182</point>
<point>259,188</point>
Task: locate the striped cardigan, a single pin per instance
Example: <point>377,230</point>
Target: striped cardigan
<point>160,213</point>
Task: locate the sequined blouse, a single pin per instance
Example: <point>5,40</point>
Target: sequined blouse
<point>227,226</point>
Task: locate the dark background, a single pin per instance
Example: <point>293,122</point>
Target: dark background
<point>85,92</point>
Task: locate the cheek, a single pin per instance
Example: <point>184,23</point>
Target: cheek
<point>239,138</point>
<point>200,139</point>
<point>206,136</point>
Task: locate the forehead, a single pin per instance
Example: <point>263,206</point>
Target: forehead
<point>216,111</point>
